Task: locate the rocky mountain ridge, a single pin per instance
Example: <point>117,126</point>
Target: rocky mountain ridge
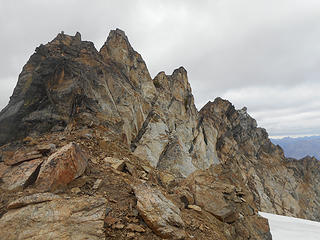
<point>86,123</point>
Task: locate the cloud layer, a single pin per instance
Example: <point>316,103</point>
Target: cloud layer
<point>261,54</point>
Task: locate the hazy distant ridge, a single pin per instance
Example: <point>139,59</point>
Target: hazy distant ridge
<point>299,147</point>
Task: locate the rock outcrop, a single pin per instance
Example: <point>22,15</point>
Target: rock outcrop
<point>227,199</point>
<point>278,185</point>
<point>92,148</point>
<point>68,83</point>
<point>26,167</point>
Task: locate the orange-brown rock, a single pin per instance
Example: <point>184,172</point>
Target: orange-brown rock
<point>62,167</point>
<point>20,156</point>
<point>32,199</point>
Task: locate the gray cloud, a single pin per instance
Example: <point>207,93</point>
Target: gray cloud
<point>261,54</point>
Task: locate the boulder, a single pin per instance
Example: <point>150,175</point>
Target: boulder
<point>159,213</point>
<point>210,195</point>
<point>20,176</point>
<point>63,166</point>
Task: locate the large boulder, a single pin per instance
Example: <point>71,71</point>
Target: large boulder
<point>62,167</point>
<point>160,214</point>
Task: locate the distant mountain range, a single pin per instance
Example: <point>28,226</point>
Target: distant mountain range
<point>299,147</point>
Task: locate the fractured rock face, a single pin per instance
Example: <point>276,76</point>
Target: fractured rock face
<point>76,218</point>
<point>160,214</point>
<point>73,81</point>
<point>62,167</point>
<point>118,49</point>
<point>215,194</point>
<point>20,156</point>
<point>210,194</point>
<point>67,83</point>
<point>172,137</point>
<point>286,187</point>
<point>20,176</point>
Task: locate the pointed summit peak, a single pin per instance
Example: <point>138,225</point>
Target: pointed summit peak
<point>117,38</point>
<point>119,32</point>
<point>78,36</point>
<point>180,75</point>
<point>117,47</point>
<point>181,71</point>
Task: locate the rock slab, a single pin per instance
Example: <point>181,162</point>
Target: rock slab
<point>32,199</point>
<point>62,167</point>
<point>160,214</point>
<point>76,218</point>
<point>19,176</point>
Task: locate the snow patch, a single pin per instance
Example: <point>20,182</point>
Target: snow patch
<point>290,228</point>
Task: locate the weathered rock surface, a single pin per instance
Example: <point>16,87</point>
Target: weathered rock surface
<point>20,156</point>
<point>62,167</point>
<point>32,199</point>
<point>161,215</point>
<point>67,82</point>
<point>76,218</point>
<point>172,137</point>
<point>20,176</point>
<point>227,202</point>
<point>135,228</point>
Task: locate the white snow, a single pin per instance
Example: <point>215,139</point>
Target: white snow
<point>289,228</point>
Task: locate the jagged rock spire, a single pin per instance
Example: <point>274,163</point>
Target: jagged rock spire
<point>67,83</point>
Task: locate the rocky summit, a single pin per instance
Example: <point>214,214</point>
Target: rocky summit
<point>91,147</point>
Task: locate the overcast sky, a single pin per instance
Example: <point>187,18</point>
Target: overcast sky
<point>262,54</point>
